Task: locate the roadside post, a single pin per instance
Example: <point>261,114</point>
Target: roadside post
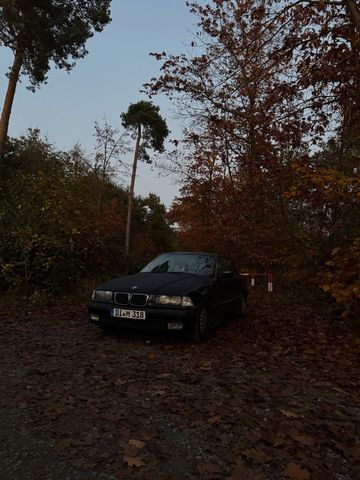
<point>269,276</point>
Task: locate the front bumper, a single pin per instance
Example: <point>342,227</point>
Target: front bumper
<point>158,318</point>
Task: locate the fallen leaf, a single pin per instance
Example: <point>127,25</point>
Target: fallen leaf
<point>295,472</point>
<point>303,439</point>
<point>242,472</point>
<point>158,392</point>
<point>208,363</point>
<point>137,443</point>
<point>119,381</point>
<point>278,441</point>
<point>257,456</point>
<point>134,462</point>
<point>214,419</point>
<point>289,414</point>
<point>146,435</point>
<point>208,468</point>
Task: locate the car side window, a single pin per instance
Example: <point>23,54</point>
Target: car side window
<point>226,267</point>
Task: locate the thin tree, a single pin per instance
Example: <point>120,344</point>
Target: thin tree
<point>150,130</point>
<point>39,33</point>
<point>109,148</point>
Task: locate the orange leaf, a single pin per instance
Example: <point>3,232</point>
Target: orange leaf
<point>137,443</point>
<point>295,472</point>
<point>288,414</point>
<point>208,468</point>
<point>134,462</point>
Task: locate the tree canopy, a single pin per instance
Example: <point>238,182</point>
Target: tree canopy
<point>50,31</point>
<point>270,155</point>
<point>154,128</point>
<point>44,31</point>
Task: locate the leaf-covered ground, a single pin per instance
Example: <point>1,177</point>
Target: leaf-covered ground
<point>273,396</point>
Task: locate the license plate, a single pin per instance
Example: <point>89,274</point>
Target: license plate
<point>131,314</point>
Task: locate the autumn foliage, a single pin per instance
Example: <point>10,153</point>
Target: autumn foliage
<point>270,157</point>
<point>62,220</point>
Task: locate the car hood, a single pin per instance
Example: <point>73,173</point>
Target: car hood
<point>157,283</point>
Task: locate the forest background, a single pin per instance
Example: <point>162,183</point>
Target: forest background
<point>269,163</point>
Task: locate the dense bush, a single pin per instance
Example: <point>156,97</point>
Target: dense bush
<point>62,222</point>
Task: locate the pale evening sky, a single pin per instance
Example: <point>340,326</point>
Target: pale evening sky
<point>106,81</point>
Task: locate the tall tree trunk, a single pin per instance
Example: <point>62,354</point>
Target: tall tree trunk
<point>354,12</point>
<point>9,98</point>
<point>131,191</point>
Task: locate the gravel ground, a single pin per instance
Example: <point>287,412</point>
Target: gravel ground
<point>273,396</point>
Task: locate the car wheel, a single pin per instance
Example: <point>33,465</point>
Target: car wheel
<point>201,328</point>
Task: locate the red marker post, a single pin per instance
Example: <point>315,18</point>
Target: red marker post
<point>252,279</point>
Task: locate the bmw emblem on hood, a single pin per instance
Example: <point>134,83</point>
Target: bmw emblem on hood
<point>134,287</point>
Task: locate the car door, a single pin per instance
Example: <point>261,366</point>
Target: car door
<point>226,288</point>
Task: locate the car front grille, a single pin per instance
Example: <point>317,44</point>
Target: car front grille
<point>133,299</point>
<point>138,299</point>
<point>122,298</point>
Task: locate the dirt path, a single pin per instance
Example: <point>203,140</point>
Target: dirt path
<point>275,396</point>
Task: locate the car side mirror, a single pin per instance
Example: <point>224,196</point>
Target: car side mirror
<point>226,274</point>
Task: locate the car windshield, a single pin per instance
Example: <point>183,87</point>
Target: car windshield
<point>183,263</point>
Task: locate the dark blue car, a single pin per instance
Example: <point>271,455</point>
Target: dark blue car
<point>177,291</point>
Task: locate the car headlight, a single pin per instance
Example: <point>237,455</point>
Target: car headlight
<point>102,295</point>
<point>173,301</point>
<point>167,300</point>
<point>186,302</point>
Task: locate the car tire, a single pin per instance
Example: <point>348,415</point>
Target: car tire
<point>201,327</point>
